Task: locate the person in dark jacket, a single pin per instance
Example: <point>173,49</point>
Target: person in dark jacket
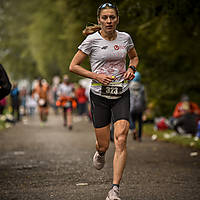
<point>5,85</point>
<point>137,106</point>
<point>15,102</point>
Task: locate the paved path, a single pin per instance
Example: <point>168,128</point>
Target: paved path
<point>51,162</point>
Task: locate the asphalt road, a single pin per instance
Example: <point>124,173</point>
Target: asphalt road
<point>51,162</point>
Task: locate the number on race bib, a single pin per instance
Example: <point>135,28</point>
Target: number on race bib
<point>111,90</point>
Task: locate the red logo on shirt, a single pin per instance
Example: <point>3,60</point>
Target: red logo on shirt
<point>116,47</point>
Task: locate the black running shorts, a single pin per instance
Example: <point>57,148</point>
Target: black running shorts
<point>103,109</point>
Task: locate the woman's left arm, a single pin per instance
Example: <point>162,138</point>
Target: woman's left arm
<point>132,54</point>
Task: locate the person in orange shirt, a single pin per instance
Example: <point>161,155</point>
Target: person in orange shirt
<point>179,109</point>
<point>186,116</point>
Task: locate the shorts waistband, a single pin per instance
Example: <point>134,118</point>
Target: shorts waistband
<point>113,83</point>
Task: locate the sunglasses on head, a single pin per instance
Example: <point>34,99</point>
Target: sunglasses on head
<point>107,4</point>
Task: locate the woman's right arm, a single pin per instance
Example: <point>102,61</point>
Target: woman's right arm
<point>76,68</point>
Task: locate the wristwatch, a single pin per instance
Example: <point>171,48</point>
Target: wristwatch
<point>133,68</point>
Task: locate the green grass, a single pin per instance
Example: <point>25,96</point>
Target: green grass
<point>169,136</point>
<point>2,124</point>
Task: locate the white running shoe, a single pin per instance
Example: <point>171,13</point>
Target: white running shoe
<point>113,194</point>
<point>98,161</point>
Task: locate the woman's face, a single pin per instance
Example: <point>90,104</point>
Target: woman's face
<point>108,19</point>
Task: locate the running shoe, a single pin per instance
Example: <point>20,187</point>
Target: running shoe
<point>98,161</point>
<point>113,194</point>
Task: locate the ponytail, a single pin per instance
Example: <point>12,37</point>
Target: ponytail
<point>91,29</point>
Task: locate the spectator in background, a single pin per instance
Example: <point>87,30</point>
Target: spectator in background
<point>137,106</point>
<point>81,100</point>
<point>2,105</point>
<point>15,102</point>
<point>5,85</point>
<point>185,116</point>
<point>23,95</point>
<point>86,82</point>
<point>179,109</point>
<point>31,104</point>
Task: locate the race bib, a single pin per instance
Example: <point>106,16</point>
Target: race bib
<point>114,90</point>
<point>41,102</point>
<point>68,104</point>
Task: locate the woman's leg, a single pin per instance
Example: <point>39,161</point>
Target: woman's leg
<point>121,128</point>
<point>102,138</point>
<point>101,116</point>
<point>102,144</point>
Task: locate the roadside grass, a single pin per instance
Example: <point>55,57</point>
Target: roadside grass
<point>4,121</point>
<point>171,136</point>
<point>2,124</point>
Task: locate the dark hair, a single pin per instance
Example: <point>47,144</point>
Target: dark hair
<point>94,28</point>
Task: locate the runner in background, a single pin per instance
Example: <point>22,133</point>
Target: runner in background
<point>107,49</point>
<point>82,100</point>
<point>31,104</point>
<point>66,100</point>
<point>41,94</point>
<point>54,93</point>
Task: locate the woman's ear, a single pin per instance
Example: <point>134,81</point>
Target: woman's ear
<point>118,20</point>
<point>98,21</point>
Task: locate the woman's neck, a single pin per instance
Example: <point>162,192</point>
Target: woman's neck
<point>108,36</point>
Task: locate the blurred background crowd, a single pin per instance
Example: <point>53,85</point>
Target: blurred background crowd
<point>66,98</point>
<point>39,38</point>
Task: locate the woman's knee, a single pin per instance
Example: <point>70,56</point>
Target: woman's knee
<point>121,132</point>
<point>103,138</point>
<point>120,142</point>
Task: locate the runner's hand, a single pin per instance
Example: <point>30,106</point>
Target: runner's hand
<point>129,74</point>
<point>104,79</point>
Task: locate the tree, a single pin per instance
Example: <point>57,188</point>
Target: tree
<point>39,38</point>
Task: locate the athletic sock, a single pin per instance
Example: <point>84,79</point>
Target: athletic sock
<point>115,185</point>
<point>101,153</point>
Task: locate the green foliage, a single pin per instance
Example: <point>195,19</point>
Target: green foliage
<point>39,38</point>
<point>166,35</point>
